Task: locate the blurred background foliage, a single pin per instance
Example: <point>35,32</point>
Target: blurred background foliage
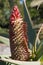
<point>36,15</point>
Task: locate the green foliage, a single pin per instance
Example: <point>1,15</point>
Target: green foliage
<point>4,14</point>
<point>4,32</point>
<point>36,15</point>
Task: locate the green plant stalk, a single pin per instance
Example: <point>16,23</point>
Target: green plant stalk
<point>39,52</point>
<point>33,53</point>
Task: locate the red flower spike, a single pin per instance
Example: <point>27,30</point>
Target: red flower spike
<point>15,14</point>
<point>18,36</point>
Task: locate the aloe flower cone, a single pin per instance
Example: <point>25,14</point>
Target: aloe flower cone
<point>18,36</point>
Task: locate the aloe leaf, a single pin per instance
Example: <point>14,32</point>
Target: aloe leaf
<point>41,58</point>
<point>39,52</point>
<point>4,40</point>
